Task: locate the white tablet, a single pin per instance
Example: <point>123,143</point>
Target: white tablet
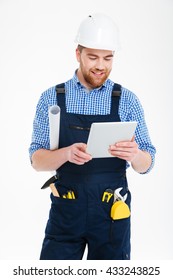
<point>106,133</point>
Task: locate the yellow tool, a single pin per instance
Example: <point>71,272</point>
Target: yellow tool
<point>108,193</point>
<point>119,209</point>
<point>69,195</point>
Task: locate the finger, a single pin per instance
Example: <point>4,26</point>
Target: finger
<point>83,155</point>
<point>124,144</point>
<point>121,153</point>
<point>124,156</point>
<point>81,146</point>
<point>124,150</point>
<point>130,144</point>
<point>76,161</point>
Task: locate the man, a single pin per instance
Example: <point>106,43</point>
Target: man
<point>85,219</point>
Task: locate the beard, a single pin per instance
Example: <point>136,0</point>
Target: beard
<point>94,77</point>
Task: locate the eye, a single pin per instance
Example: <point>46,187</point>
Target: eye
<point>108,58</point>
<point>92,58</point>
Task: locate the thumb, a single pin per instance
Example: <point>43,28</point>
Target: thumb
<point>81,146</point>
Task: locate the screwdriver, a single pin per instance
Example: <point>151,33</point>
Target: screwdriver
<point>69,195</point>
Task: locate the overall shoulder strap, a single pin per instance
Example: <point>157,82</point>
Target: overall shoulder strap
<point>116,91</point>
<point>60,88</point>
<point>60,94</point>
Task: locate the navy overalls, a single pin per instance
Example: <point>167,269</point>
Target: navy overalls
<point>85,220</point>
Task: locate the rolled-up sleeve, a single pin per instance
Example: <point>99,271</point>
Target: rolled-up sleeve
<point>40,133</point>
<point>131,110</point>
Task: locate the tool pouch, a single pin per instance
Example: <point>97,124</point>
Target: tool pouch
<point>120,210</point>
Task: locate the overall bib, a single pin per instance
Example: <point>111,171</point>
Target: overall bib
<point>85,220</point>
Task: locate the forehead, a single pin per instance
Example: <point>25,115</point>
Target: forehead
<point>96,52</point>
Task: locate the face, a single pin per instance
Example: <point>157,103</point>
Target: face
<point>94,66</point>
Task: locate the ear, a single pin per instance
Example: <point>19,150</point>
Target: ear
<point>78,55</point>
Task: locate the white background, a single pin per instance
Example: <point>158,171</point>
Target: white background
<point>37,51</point>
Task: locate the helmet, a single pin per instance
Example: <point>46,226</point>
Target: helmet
<point>98,31</point>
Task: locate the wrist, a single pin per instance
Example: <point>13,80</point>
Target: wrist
<point>141,162</point>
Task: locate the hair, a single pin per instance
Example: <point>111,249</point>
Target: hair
<point>80,48</point>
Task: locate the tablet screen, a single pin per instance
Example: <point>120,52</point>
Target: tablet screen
<point>104,134</point>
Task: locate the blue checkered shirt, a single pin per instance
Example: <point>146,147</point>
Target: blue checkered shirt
<point>79,101</point>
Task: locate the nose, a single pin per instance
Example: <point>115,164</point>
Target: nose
<point>100,64</point>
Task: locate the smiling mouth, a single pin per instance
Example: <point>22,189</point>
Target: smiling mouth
<point>98,74</point>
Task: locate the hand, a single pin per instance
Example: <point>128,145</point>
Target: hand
<point>77,154</point>
<point>125,150</point>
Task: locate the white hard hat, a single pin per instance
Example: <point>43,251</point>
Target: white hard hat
<point>98,31</point>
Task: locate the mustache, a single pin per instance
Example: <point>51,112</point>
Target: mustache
<point>97,71</point>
